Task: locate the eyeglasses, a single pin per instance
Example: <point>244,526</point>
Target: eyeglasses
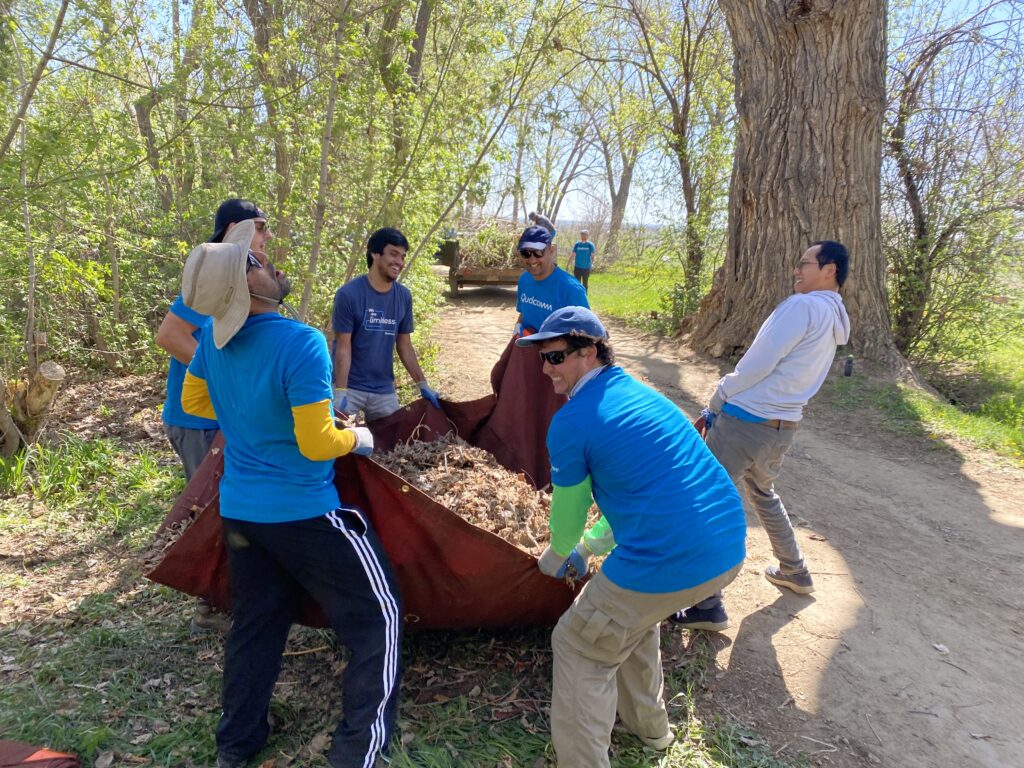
<point>529,254</point>
<point>556,356</point>
<point>251,262</point>
<point>801,264</point>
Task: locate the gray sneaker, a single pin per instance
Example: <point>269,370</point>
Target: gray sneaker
<point>801,583</point>
<point>227,762</point>
<point>209,619</point>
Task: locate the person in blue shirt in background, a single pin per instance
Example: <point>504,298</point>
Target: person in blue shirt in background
<point>179,332</point>
<point>372,318</point>
<point>670,517</point>
<point>267,380</point>
<point>582,259</point>
<point>543,287</point>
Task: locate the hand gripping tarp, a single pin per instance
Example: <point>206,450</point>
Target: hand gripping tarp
<point>451,574</point>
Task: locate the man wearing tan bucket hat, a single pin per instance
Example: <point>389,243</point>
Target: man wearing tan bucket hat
<point>267,380</point>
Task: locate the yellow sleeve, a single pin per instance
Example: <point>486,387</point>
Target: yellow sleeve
<point>195,397</point>
<point>317,437</point>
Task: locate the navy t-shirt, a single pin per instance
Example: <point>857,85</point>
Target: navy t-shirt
<point>374,319</point>
<point>677,518</point>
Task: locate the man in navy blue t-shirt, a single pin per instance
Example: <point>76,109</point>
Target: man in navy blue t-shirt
<point>372,318</point>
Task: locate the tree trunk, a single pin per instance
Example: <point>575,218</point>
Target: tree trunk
<point>33,398</point>
<point>10,436</point>
<point>810,94</point>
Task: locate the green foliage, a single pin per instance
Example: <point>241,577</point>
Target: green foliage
<point>95,481</point>
<point>493,245</point>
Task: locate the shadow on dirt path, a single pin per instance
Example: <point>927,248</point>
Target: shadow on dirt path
<point>910,651</point>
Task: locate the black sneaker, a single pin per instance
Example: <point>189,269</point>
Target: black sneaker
<point>801,583</point>
<point>710,619</point>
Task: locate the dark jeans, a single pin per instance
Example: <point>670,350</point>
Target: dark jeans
<point>336,558</point>
<point>583,275</point>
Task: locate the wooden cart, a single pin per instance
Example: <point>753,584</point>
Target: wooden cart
<point>460,274</point>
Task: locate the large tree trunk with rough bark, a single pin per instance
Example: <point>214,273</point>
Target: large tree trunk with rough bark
<point>810,94</point>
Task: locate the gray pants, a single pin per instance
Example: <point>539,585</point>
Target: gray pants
<point>752,454</point>
<point>191,445</point>
<point>607,658</point>
<point>374,405</point>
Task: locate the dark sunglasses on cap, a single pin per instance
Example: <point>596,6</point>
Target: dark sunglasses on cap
<point>527,253</point>
<point>251,262</point>
<point>557,356</point>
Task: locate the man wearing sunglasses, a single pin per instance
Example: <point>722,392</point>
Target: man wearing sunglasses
<point>267,378</point>
<point>372,318</point>
<point>543,287</point>
<point>671,521</point>
<point>754,412</point>
<point>179,334</point>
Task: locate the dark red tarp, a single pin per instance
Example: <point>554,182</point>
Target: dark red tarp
<point>452,574</point>
<point>17,754</point>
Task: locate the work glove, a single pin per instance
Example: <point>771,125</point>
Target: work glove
<point>364,440</point>
<point>340,401</point>
<point>705,422</point>
<point>429,394</point>
<point>557,566</point>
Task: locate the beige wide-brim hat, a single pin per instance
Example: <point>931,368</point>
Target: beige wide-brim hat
<point>213,282</point>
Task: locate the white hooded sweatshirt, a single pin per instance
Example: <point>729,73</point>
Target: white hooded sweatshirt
<point>789,359</point>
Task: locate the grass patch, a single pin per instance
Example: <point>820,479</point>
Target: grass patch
<point>634,296</point>
<point>909,411</point>
<point>119,489</point>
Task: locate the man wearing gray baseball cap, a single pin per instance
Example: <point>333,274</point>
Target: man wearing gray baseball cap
<point>671,522</point>
<point>267,379</point>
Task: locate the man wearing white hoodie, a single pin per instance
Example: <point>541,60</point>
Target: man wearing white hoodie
<point>754,412</point>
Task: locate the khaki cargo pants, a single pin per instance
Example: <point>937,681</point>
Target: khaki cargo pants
<point>607,657</point>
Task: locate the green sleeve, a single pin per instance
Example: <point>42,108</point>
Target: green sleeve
<point>599,539</point>
<point>569,507</point>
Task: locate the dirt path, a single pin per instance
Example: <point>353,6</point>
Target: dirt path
<point>911,652</point>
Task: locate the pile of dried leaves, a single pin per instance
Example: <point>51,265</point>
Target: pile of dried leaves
<point>471,483</point>
<point>162,542</point>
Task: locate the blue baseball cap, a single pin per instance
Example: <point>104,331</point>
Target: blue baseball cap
<point>534,238</point>
<point>567,321</point>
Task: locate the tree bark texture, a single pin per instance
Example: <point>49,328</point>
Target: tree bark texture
<point>810,95</point>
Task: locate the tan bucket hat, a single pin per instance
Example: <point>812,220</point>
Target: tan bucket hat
<point>213,282</point>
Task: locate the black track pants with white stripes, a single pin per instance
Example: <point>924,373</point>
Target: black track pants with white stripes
<point>338,560</point>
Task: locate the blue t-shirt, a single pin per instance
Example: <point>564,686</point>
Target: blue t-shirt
<point>583,250</point>
<point>272,364</point>
<point>174,414</point>
<point>374,319</point>
<point>677,517</point>
<point>539,298</point>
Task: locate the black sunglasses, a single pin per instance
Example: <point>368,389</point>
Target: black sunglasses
<point>528,254</point>
<point>556,356</point>
<point>251,262</point>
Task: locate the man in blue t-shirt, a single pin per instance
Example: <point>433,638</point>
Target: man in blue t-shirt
<point>267,380</point>
<point>582,258</point>
<point>372,318</point>
<point>670,517</point>
<point>179,333</point>
<point>543,287</point>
